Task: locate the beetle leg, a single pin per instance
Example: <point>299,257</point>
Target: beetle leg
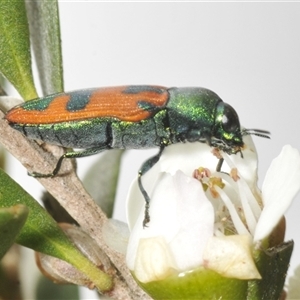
<point>219,165</point>
<point>146,166</point>
<point>70,154</point>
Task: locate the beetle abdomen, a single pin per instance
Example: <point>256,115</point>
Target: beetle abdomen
<point>98,132</point>
<point>118,117</point>
<point>84,134</point>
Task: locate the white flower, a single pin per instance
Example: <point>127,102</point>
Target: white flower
<point>280,186</point>
<point>216,228</point>
<point>174,221</point>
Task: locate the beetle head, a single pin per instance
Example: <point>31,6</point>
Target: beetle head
<point>227,134</point>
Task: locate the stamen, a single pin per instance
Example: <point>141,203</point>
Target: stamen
<point>234,174</point>
<point>219,233</point>
<point>249,216</point>
<point>228,161</point>
<point>249,203</point>
<point>256,209</point>
<point>238,224</point>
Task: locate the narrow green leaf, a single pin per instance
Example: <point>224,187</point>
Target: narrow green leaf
<point>42,234</point>
<point>102,178</point>
<point>45,37</point>
<point>15,59</point>
<point>12,220</point>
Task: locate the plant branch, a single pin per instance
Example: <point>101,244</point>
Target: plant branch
<point>70,193</point>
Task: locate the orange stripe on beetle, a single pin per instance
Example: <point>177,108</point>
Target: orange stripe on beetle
<point>26,114</point>
<point>125,103</point>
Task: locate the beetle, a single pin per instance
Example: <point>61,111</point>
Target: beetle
<point>130,117</point>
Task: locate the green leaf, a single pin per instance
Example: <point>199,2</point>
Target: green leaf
<point>272,264</point>
<point>12,220</point>
<point>102,178</point>
<point>42,233</point>
<point>45,38</point>
<point>15,58</point>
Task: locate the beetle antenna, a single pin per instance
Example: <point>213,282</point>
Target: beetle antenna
<point>258,132</point>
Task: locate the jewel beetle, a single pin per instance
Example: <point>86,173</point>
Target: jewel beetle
<point>130,117</point>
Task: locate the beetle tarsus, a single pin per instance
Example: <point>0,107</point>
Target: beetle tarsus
<point>147,165</point>
<point>147,199</point>
<point>53,173</point>
<point>219,165</point>
<point>40,175</point>
<point>147,215</point>
<point>70,154</point>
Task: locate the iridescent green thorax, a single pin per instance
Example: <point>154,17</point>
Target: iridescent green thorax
<point>198,114</point>
<point>192,112</point>
<point>197,104</point>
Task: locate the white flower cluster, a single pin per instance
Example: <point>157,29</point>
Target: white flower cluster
<point>206,218</point>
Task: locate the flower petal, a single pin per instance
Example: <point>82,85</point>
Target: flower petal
<point>246,163</point>
<point>281,184</point>
<point>187,157</point>
<point>154,261</point>
<point>231,256</point>
<point>182,215</point>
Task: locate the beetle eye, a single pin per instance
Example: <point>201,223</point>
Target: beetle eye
<point>230,119</point>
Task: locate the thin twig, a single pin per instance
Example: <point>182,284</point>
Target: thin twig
<point>70,193</point>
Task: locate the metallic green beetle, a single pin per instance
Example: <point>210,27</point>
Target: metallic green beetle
<point>130,117</point>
